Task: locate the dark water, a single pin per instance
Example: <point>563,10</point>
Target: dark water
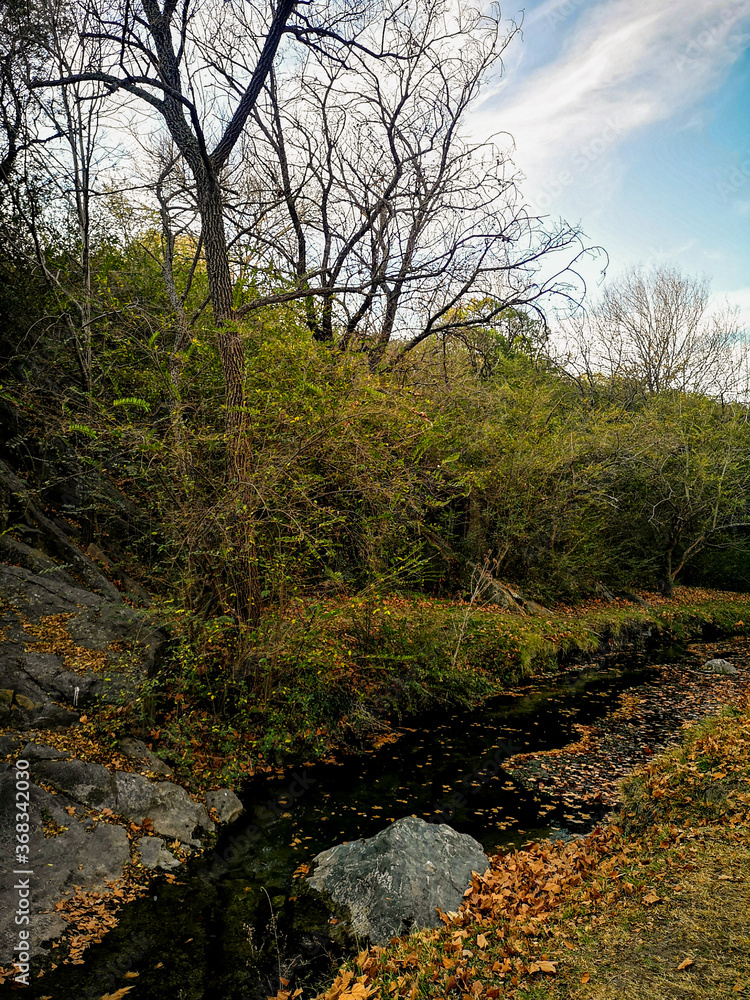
<point>229,928</point>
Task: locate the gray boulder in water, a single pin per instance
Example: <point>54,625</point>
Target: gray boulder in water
<point>393,883</point>
<point>720,667</point>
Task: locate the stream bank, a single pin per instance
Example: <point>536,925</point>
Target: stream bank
<point>216,917</point>
<point>653,904</point>
<point>74,665</point>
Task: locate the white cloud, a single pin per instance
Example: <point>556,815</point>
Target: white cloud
<point>739,298</point>
<point>624,64</point>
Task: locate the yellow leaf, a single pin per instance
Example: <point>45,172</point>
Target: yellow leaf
<point>118,994</point>
<point>685,963</point>
<point>585,977</point>
<point>132,975</point>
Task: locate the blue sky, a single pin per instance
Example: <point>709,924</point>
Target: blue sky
<point>632,118</point>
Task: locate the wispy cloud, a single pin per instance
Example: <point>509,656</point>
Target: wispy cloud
<point>738,298</point>
<point>622,65</point>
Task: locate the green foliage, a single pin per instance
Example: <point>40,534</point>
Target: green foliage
<point>355,484</point>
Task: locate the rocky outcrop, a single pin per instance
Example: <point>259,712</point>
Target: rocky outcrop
<point>38,689</point>
<point>89,784</point>
<point>154,854</point>
<point>143,758</point>
<point>172,812</point>
<point>170,809</point>
<point>70,846</point>
<point>57,541</point>
<point>63,649</point>
<point>395,881</point>
<point>68,849</point>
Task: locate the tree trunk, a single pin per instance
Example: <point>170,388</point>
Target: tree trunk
<point>244,590</point>
<point>666,584</point>
<point>231,351</point>
<point>324,331</point>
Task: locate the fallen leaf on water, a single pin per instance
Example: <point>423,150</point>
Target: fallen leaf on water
<point>685,963</point>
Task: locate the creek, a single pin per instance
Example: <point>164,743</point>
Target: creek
<point>225,930</point>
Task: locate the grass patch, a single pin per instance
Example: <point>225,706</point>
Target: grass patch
<point>694,943</point>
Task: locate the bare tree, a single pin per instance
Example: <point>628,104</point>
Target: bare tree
<point>23,36</point>
<point>654,331</point>
<point>200,68</point>
<point>54,153</point>
<point>379,206</point>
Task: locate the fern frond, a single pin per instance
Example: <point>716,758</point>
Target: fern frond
<point>83,429</point>
<point>132,401</point>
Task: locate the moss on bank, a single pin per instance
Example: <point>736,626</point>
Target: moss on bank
<point>339,672</point>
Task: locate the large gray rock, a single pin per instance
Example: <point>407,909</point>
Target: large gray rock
<point>720,667</point>
<point>169,807</point>
<point>65,685</point>
<point>90,784</point>
<point>226,804</point>
<point>10,746</point>
<point>18,553</point>
<point>394,882</point>
<point>67,849</point>
<point>33,752</point>
<point>172,812</point>
<point>95,621</point>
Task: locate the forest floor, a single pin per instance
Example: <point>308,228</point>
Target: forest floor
<point>654,905</point>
